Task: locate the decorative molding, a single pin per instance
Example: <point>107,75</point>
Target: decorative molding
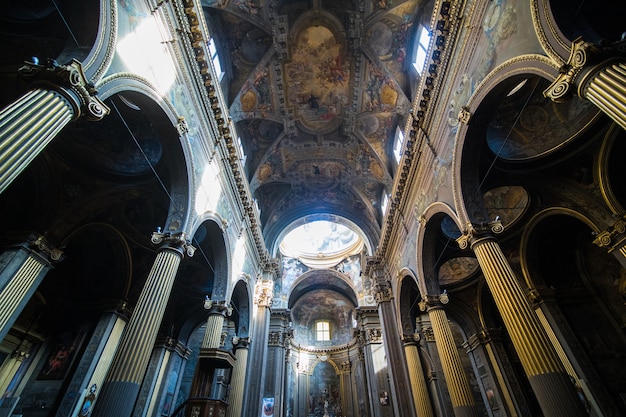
<point>43,247</point>
<point>176,240</point>
<point>264,293</point>
<point>63,78</point>
<point>477,231</point>
<point>614,236</point>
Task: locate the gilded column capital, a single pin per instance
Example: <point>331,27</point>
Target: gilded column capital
<point>584,58</point>
<point>68,77</point>
<point>178,241</point>
<point>217,308</point>
<point>564,85</point>
<point>475,232</point>
<point>374,335</point>
<point>383,291</point>
<point>411,339</point>
<point>614,236</point>
<point>433,302</point>
<point>264,293</point>
<point>41,245</point>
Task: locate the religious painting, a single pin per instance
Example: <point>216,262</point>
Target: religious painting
<point>63,353</point>
<point>268,407</point>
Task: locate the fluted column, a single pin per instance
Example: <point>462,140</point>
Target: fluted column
<point>60,94</point>
<point>11,366</point>
<point>123,381</point>
<point>597,74</point>
<point>256,376</point>
<point>21,275</point>
<point>547,376</point>
<point>400,381</point>
<point>419,389</point>
<point>238,378</point>
<point>457,382</point>
<point>215,322</point>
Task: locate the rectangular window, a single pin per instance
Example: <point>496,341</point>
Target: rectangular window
<point>216,59</point>
<point>322,331</point>
<point>398,142</point>
<point>423,41</point>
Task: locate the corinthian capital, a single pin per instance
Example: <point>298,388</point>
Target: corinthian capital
<point>264,293</point>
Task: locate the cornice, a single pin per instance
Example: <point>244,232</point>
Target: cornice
<point>445,22</point>
<point>224,141</point>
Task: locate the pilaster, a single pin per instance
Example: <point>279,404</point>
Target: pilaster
<point>400,380</point>
<point>263,296</point>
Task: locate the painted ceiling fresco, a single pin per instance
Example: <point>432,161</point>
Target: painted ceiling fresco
<point>317,89</point>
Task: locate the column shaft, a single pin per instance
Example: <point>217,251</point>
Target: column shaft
<point>213,333</point>
<point>121,387</point>
<point>253,400</point>
<point>14,293</point>
<point>550,382</point>
<point>399,374</point>
<point>32,121</point>
<point>607,90</point>
<point>423,407</point>
<point>237,382</point>
<point>458,385</point>
<point>27,127</point>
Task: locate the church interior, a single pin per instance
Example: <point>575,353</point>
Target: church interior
<point>313,208</point>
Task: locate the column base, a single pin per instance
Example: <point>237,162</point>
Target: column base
<point>557,396</point>
<point>117,398</point>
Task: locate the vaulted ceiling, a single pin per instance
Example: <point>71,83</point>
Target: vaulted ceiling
<point>316,90</point>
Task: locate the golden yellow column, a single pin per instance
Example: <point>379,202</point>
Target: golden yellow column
<point>458,385</point>
<point>423,406</point>
<point>33,260</point>
<point>121,387</point>
<point>238,378</point>
<point>597,74</point>
<point>547,376</point>
<point>59,95</point>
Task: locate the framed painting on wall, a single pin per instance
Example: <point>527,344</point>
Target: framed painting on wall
<point>62,355</point>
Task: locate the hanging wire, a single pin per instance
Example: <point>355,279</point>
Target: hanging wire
<point>506,138</point>
<point>65,22</point>
<point>158,177</point>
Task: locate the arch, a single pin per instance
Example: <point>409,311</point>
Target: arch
<point>407,301</point>
<point>466,182</point>
<point>531,227</point>
<point>557,24</point>
<point>427,235</point>
<point>136,92</point>
<point>312,280</point>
